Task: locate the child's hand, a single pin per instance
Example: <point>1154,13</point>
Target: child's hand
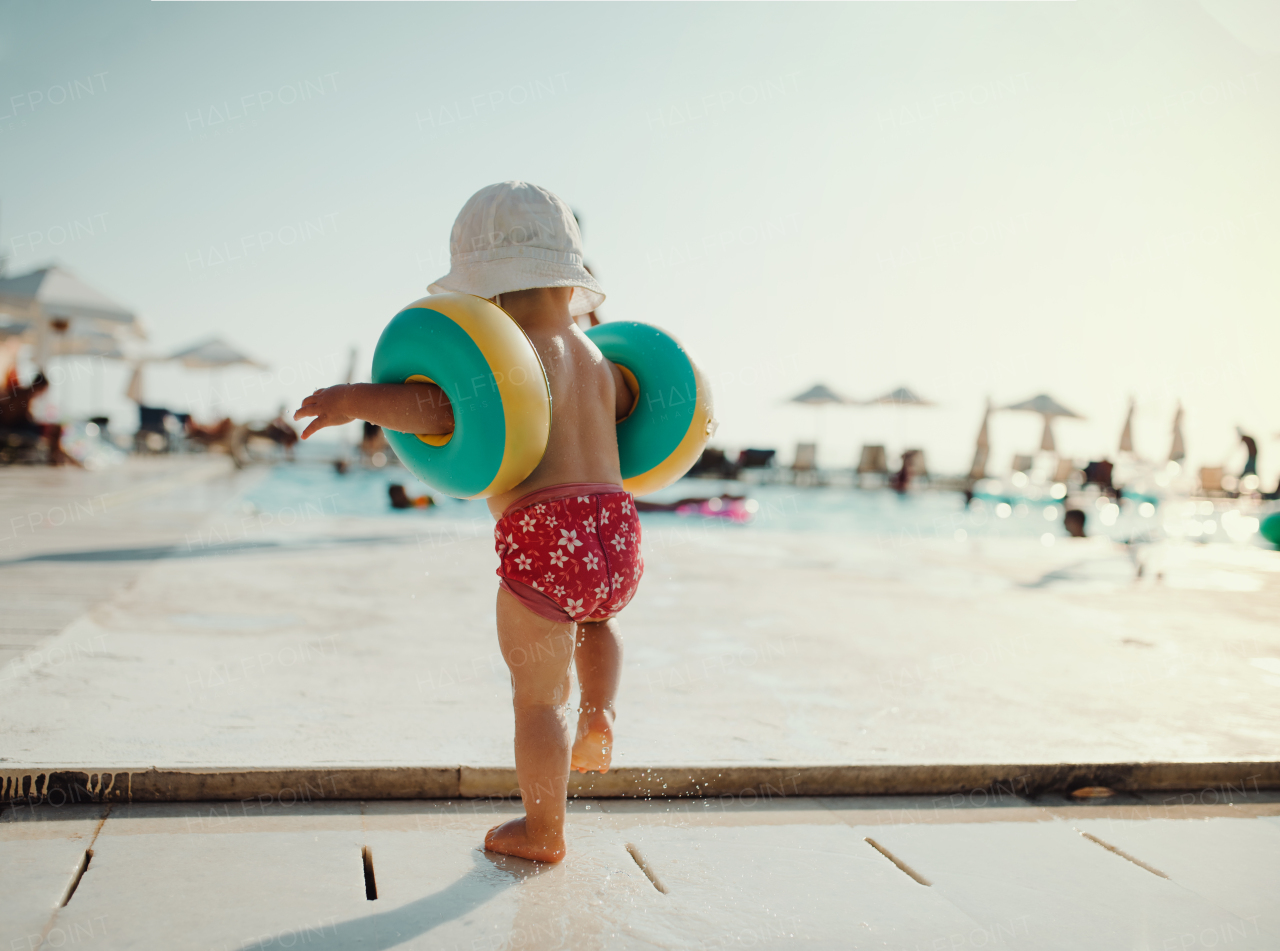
<point>326,406</point>
<point>400,407</point>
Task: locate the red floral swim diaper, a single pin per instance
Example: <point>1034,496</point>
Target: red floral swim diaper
<point>571,552</point>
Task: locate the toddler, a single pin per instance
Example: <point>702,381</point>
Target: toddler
<point>568,537</point>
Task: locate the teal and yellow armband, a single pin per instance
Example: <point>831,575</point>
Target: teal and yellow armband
<point>672,418</point>
<point>484,362</point>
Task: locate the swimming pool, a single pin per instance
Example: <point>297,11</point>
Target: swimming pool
<point>879,513</point>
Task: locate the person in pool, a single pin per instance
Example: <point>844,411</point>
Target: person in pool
<point>400,498</point>
<point>568,537</point>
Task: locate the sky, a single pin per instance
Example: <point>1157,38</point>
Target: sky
<point>978,201</point>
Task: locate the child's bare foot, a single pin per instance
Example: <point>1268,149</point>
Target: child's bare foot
<point>593,749</point>
<point>514,838</point>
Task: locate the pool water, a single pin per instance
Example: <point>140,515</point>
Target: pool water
<point>878,513</point>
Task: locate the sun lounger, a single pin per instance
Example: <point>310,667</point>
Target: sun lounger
<point>804,468</point>
<point>1211,480</point>
<point>873,461</point>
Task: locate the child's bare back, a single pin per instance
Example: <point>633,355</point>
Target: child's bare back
<point>588,394</point>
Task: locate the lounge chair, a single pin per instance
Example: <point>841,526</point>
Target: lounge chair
<point>756,458</point>
<point>154,434</point>
<point>1211,480</point>
<point>804,468</point>
<point>714,464</point>
<point>872,462</point>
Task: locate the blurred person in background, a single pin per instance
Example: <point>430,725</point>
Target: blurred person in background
<point>400,499</point>
<point>1073,522</point>
<point>19,429</point>
<point>280,432</point>
<point>1251,448</point>
<point>373,443</point>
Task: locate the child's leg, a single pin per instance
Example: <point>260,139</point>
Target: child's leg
<point>598,656</point>
<point>539,653</point>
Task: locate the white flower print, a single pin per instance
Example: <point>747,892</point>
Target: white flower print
<point>548,577</point>
<point>617,580</point>
<point>551,520</point>
<point>524,562</point>
<point>569,538</point>
<point>572,606</point>
<point>537,587</point>
<point>559,591</point>
<point>589,524</point>
<point>626,506</point>
<point>540,508</point>
<point>591,561</point>
<point>528,522</point>
<point>511,542</point>
<point>502,550</point>
<point>584,498</point>
<point>602,590</point>
<point>558,558</point>
<point>604,516</point>
<point>620,542</point>
<point>636,570</point>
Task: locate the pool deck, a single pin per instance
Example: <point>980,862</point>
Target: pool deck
<point>1138,872</point>
<point>70,539</point>
<point>228,728</point>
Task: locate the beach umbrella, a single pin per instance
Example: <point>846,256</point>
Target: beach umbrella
<point>1045,405</point>
<point>134,390</point>
<point>82,342</point>
<point>351,366</point>
<point>65,315</point>
<point>819,395</point>
<point>1177,449</point>
<point>899,397</point>
<point>1048,408</point>
<point>983,448</point>
<point>213,354</point>
<point>1126,434</point>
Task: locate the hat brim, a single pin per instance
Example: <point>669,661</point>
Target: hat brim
<point>490,278</point>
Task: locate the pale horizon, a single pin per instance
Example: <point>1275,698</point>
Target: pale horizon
<point>974,201</point>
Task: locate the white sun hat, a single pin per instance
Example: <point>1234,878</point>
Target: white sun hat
<point>513,236</point>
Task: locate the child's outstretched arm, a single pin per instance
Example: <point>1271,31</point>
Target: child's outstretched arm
<point>420,408</point>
